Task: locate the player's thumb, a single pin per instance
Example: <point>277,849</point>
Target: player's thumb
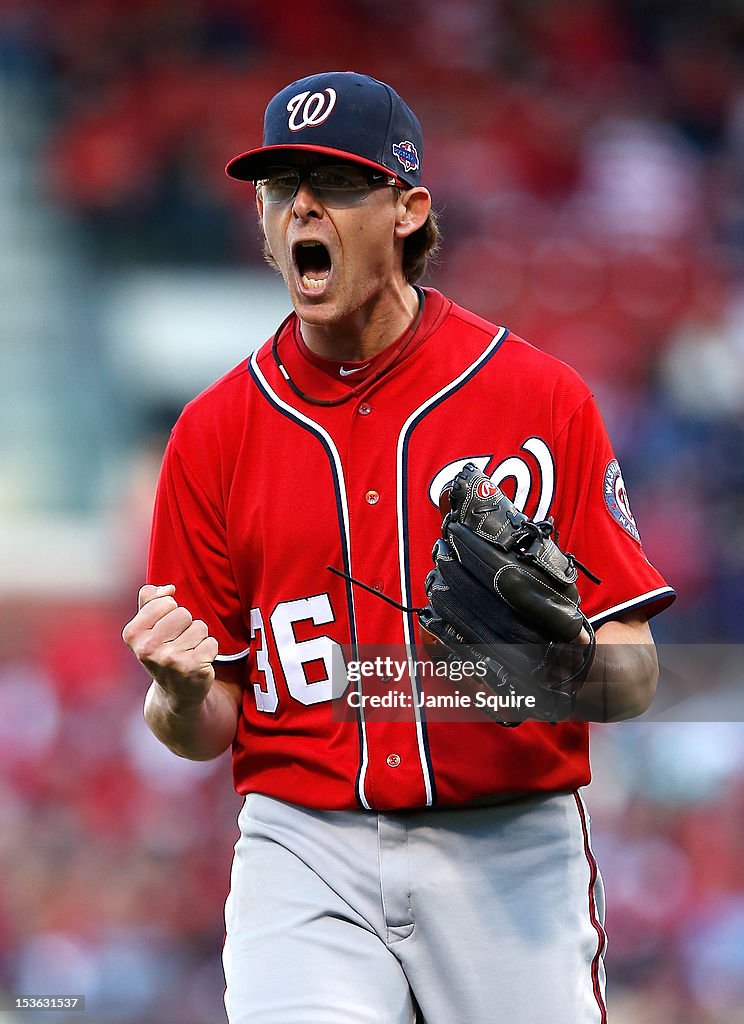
<point>150,591</point>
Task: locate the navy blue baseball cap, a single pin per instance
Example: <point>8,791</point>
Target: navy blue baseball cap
<point>342,114</point>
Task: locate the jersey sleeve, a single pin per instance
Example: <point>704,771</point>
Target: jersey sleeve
<point>595,523</point>
<point>188,547</point>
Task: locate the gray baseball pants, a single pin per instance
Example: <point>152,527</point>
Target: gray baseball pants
<point>468,916</point>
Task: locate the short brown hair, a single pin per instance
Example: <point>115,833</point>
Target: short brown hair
<point>420,248</point>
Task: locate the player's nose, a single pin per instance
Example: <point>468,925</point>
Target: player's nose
<point>305,202</point>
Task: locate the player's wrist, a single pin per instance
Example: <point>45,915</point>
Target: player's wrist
<point>180,703</point>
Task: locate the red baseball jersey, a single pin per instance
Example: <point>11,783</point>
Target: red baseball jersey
<point>262,490</point>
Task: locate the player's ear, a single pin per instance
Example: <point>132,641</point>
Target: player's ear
<point>411,211</point>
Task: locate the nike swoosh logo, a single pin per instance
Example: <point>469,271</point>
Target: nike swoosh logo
<point>356,369</point>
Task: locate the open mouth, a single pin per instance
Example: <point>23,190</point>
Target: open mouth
<point>313,264</point>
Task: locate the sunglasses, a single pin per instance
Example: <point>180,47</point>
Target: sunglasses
<point>335,184</point>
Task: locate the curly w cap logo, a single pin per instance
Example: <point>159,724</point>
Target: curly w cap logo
<point>616,499</point>
<point>406,154</point>
<point>309,109</point>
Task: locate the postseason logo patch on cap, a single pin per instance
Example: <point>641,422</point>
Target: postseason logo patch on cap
<point>406,154</point>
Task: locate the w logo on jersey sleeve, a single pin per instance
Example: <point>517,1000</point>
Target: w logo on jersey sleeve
<point>616,499</point>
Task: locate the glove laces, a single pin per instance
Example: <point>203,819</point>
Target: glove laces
<point>371,590</point>
<point>531,531</point>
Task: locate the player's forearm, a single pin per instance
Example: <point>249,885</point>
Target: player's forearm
<point>623,677</point>
<point>621,684</point>
<point>198,732</point>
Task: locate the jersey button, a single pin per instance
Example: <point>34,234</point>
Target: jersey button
<point>372,497</point>
<point>365,409</point>
<point>393,760</point>
<point>378,585</point>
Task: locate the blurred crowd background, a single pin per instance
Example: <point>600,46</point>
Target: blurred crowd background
<point>587,157</point>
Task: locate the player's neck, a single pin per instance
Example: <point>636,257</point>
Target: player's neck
<point>365,331</point>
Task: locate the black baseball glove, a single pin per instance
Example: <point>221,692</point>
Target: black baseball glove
<point>503,595</point>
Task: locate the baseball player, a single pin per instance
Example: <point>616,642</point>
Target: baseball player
<point>414,863</point>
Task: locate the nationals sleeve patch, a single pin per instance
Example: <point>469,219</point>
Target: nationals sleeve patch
<point>616,499</point>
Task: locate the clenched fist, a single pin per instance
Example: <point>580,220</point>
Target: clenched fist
<point>175,648</point>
